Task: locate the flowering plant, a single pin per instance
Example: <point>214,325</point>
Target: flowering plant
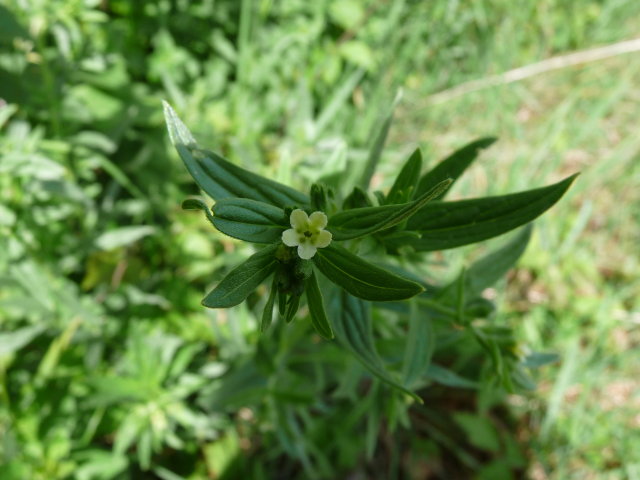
<point>316,239</point>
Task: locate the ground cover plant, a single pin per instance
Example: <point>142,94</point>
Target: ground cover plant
<point>110,367</point>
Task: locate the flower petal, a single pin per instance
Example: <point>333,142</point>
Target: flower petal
<point>306,251</point>
<point>290,238</point>
<point>323,239</point>
<point>318,220</point>
<point>299,219</point>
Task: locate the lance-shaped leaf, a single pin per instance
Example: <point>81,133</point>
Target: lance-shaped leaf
<point>249,220</point>
<point>378,144</point>
<point>472,281</point>
<point>445,225</point>
<point>352,325</point>
<point>267,313</point>
<point>359,222</point>
<point>292,307</point>
<point>222,179</point>
<point>491,268</point>
<point>420,345</point>
<point>453,166</point>
<point>404,187</point>
<point>243,279</point>
<point>361,278</point>
<point>318,314</point>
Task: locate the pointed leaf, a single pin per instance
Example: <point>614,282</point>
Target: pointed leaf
<point>361,278</point>
<point>359,222</point>
<point>453,166</point>
<point>406,182</point>
<point>318,314</point>
<point>491,268</point>
<point>539,359</point>
<point>376,149</point>
<point>267,313</point>
<point>352,326</point>
<point>243,279</point>
<point>249,220</point>
<point>447,377</point>
<point>445,225</point>
<point>420,345</point>
<point>356,199</point>
<point>222,179</point>
<point>292,307</point>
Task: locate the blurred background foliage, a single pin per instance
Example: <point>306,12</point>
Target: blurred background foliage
<point>109,366</point>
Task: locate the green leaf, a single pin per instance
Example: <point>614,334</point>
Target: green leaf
<point>361,278</point>
<point>404,187</point>
<point>318,314</point>
<point>480,432</point>
<point>240,386</point>
<point>453,166</point>
<point>376,149</point>
<point>491,268</point>
<point>462,295</point>
<point>292,307</point>
<point>267,313</point>
<point>420,345</point>
<point>243,279</point>
<point>539,359</point>
<point>222,179</point>
<point>123,236</point>
<point>356,199</point>
<point>249,220</point>
<point>359,222</point>
<point>445,225</point>
<point>13,341</point>
<point>444,376</point>
<point>196,204</point>
<point>352,326</point>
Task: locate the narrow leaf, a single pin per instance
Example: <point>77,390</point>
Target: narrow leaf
<point>318,314</point>
<point>219,177</point>
<point>491,268</point>
<point>453,166</point>
<point>406,182</point>
<point>249,220</point>
<point>376,149</point>
<point>267,313</point>
<point>539,359</point>
<point>445,225</point>
<point>292,307</point>
<point>352,326</point>
<point>447,377</point>
<point>361,278</point>
<point>359,222</point>
<point>243,279</point>
<point>420,345</point>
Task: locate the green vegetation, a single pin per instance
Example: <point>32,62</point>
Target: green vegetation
<point>109,365</point>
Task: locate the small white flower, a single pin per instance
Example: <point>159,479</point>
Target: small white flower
<point>307,233</point>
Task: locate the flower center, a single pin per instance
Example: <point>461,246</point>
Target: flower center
<point>307,234</point>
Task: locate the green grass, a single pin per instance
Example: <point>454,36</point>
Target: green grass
<point>576,291</point>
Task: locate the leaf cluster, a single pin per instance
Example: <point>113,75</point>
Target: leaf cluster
<point>413,217</point>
